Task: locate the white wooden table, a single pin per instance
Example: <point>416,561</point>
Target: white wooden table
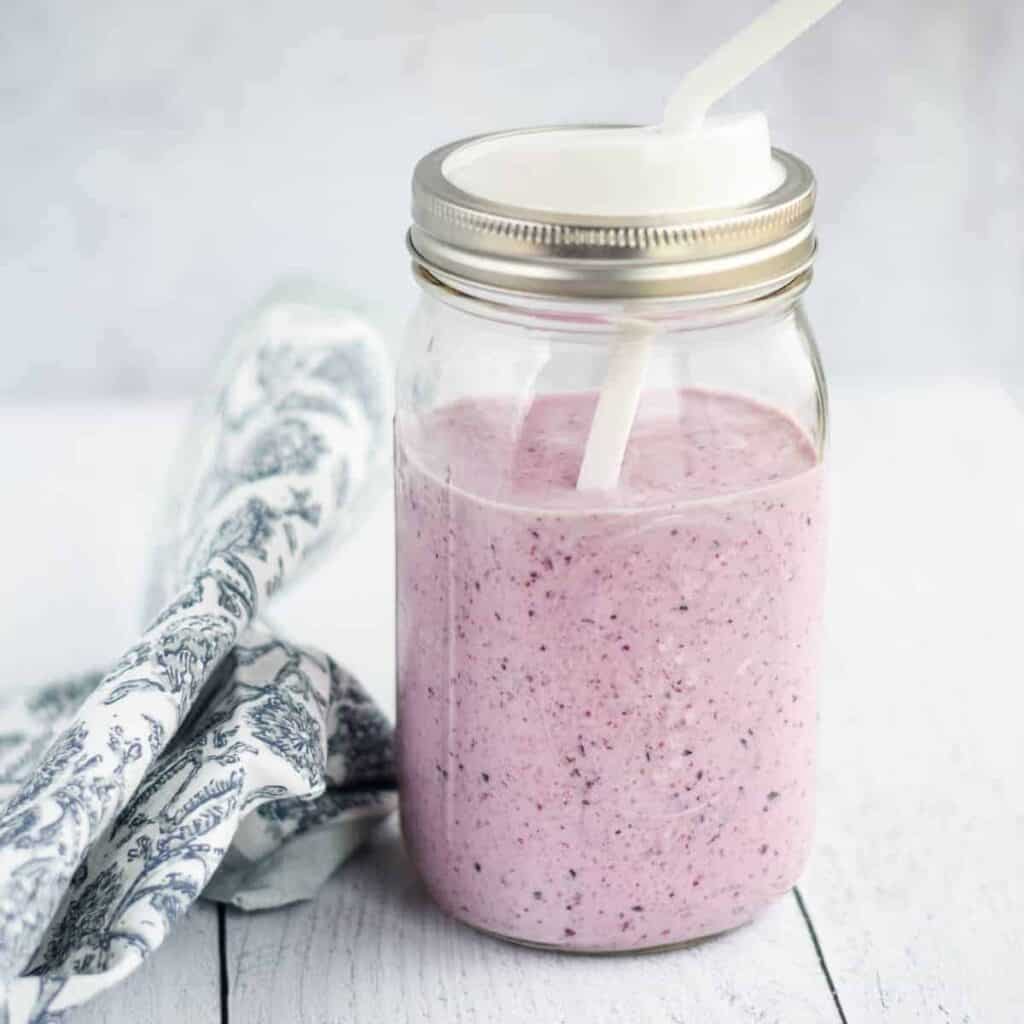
<point>911,908</point>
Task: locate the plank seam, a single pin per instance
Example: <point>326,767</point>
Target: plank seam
<point>222,948</point>
<point>821,956</point>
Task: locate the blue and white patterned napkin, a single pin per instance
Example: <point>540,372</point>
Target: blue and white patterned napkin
<point>214,757</point>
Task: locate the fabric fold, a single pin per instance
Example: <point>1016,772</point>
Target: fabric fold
<point>125,792</point>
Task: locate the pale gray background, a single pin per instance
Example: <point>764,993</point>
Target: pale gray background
<point>163,163</point>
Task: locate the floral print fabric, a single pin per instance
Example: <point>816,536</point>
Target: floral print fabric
<point>214,757</point>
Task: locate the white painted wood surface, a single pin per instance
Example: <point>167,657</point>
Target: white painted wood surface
<point>374,948</point>
<point>913,888</point>
<point>180,984</point>
<point>916,883</point>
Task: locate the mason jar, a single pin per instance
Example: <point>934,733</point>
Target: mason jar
<point>607,697</point>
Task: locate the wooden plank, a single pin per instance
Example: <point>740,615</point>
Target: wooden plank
<point>179,982</point>
<point>374,948</point>
<point>914,888</point>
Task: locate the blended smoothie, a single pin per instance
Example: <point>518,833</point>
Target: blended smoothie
<point>606,701</point>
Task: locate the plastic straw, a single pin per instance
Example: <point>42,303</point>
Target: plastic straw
<point>720,72</point>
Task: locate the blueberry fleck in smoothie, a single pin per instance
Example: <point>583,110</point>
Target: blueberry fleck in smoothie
<point>607,700</point>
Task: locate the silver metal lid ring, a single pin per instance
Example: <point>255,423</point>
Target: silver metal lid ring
<point>705,253</point>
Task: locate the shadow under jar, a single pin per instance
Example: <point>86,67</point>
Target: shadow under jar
<point>607,699</point>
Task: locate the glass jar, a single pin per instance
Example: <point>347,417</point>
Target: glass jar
<point>607,699</point>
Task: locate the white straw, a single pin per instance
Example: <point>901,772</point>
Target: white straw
<point>739,58</point>
<point>616,409</point>
<point>720,72</point>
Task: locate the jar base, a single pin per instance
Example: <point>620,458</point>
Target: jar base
<point>553,947</point>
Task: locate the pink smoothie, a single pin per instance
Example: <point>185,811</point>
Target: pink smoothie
<point>606,702</point>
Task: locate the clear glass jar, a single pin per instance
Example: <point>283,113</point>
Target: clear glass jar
<point>606,699</point>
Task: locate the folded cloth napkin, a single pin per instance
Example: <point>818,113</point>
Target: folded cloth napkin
<point>214,757</point>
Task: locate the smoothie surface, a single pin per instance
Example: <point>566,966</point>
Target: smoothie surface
<point>685,445</point>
